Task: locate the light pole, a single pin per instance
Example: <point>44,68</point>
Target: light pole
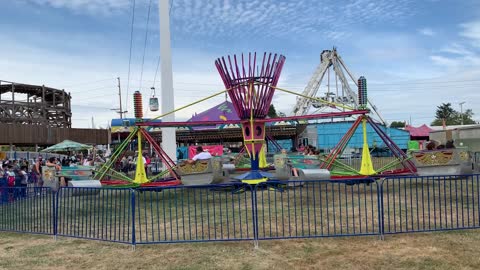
<point>461,112</point>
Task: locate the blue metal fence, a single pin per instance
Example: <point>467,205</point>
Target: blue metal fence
<point>27,210</point>
<point>413,204</point>
<point>194,214</point>
<point>233,212</point>
<point>95,213</point>
<point>316,209</point>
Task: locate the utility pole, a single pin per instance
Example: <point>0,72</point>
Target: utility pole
<point>461,112</point>
<point>119,110</point>
<point>120,97</point>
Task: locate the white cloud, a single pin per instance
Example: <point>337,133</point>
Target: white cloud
<point>242,19</point>
<point>95,7</point>
<point>456,49</point>
<point>471,30</point>
<point>426,32</point>
<point>272,18</point>
<point>382,57</point>
<point>463,54</point>
<point>449,63</point>
<point>91,79</point>
<point>381,47</point>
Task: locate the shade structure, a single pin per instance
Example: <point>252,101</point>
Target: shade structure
<point>67,145</point>
<point>221,112</point>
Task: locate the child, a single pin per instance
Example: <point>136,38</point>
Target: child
<point>10,182</point>
<point>3,184</point>
<point>10,176</point>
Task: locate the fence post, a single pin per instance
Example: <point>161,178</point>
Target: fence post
<point>132,205</point>
<point>55,213</point>
<point>381,223</point>
<point>253,190</point>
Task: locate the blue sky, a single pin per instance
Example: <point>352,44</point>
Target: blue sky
<point>414,54</point>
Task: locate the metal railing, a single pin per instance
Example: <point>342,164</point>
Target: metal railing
<point>95,213</point>
<point>193,214</point>
<point>234,212</point>
<point>419,204</point>
<point>316,209</point>
<point>27,210</point>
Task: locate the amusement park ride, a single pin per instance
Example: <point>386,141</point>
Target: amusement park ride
<point>331,60</point>
<point>251,82</point>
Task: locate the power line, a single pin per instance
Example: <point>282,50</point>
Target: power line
<point>423,82</point>
<point>301,86</point>
<point>130,56</point>
<point>156,72</point>
<point>92,89</point>
<point>145,44</point>
<point>405,83</point>
<point>87,82</point>
<point>158,62</point>
<point>93,107</point>
<point>85,98</point>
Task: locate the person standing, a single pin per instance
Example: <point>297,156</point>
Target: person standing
<point>23,175</point>
<point>15,165</point>
<point>37,174</point>
<point>53,162</point>
<point>10,183</point>
<point>3,184</point>
<point>147,163</point>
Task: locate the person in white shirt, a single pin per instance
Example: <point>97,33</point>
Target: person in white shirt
<point>201,155</point>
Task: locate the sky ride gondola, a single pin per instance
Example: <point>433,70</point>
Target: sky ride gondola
<point>153,102</point>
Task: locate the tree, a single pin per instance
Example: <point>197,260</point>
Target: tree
<point>467,117</point>
<point>272,113</point>
<point>446,113</point>
<point>397,124</point>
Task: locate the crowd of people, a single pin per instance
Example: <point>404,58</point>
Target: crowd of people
<point>433,145</point>
<point>23,173</point>
<point>128,164</point>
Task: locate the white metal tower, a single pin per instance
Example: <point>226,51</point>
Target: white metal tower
<point>169,142</point>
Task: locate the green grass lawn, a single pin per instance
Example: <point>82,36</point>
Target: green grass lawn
<point>313,209</point>
<point>439,250</point>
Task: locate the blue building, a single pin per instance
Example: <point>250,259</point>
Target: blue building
<point>284,144</point>
<point>329,134</point>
